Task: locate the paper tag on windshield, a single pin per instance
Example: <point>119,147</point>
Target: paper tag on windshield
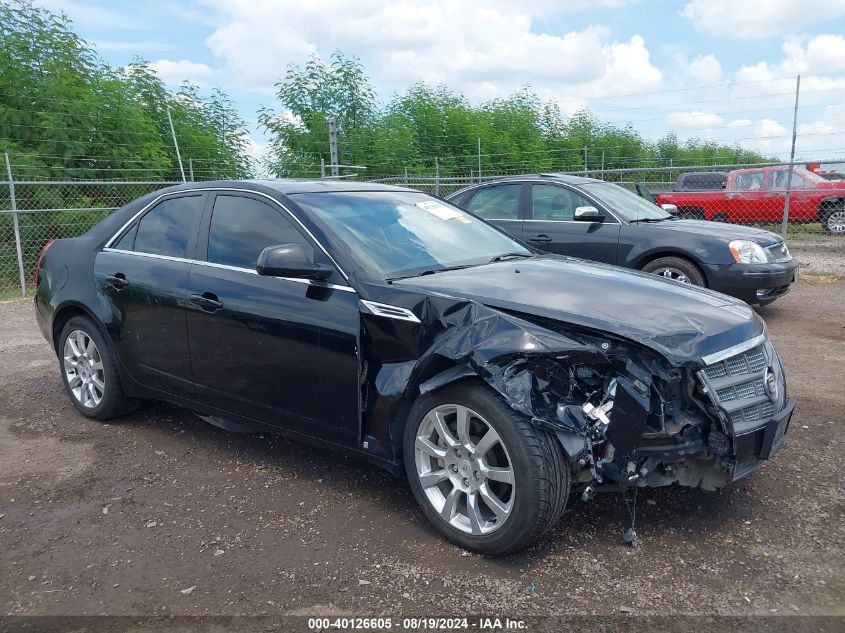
<point>439,210</point>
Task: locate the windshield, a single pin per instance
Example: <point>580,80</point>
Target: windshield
<point>625,203</point>
<point>400,234</point>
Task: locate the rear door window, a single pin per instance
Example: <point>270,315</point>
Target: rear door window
<point>497,202</point>
<point>169,227</point>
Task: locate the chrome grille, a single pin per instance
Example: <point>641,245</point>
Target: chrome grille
<point>737,384</point>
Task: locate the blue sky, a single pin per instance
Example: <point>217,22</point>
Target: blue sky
<point>710,68</point>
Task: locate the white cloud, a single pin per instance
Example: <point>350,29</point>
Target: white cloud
<point>483,51</point>
<point>752,19</point>
<point>175,72</point>
<point>703,70</point>
<point>695,119</point>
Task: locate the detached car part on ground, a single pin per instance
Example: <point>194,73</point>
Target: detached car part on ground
<point>392,325</point>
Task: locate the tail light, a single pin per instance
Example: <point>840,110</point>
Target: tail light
<point>40,258</point>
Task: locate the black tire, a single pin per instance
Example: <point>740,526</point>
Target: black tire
<point>680,264</point>
<point>540,471</point>
<point>114,402</point>
<point>720,217</point>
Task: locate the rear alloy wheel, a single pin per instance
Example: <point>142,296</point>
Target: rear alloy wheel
<point>676,268</point>
<point>84,373</point>
<point>89,371</point>
<point>485,477</point>
<point>833,222</point>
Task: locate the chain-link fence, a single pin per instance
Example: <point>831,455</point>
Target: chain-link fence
<point>796,199</point>
<point>49,210</point>
<point>760,195</point>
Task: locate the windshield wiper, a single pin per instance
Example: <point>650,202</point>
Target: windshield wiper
<point>646,220</point>
<point>504,256</point>
<point>431,271</point>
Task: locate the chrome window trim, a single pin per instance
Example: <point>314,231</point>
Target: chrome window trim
<point>388,311</point>
<point>227,267</point>
<point>229,189</point>
<point>734,350</point>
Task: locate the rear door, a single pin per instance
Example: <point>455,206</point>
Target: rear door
<point>499,204</point>
<point>278,350</point>
<point>551,225</point>
<point>141,282</point>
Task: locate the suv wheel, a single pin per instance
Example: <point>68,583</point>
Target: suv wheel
<point>89,371</point>
<point>485,477</point>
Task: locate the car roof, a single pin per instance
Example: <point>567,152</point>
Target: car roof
<point>544,177</point>
<point>289,186</point>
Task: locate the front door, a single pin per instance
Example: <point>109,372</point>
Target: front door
<point>551,225</point>
<point>141,280</point>
<point>278,350</point>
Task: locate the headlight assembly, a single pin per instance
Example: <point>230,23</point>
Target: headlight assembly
<point>748,252</point>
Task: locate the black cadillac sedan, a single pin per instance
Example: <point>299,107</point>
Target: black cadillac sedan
<point>601,221</point>
<point>387,323</point>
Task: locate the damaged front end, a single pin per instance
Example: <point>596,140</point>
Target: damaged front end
<point>624,414</point>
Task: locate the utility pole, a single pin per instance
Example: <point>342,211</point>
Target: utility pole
<point>333,146</point>
<point>176,144</point>
<point>791,159</point>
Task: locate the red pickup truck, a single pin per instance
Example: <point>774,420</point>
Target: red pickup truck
<point>757,195</point>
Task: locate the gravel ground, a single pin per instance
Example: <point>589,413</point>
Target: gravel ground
<point>160,513</point>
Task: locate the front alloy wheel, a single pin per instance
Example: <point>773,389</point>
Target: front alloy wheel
<point>485,477</point>
<point>672,273</point>
<point>464,469</point>
<point>83,366</point>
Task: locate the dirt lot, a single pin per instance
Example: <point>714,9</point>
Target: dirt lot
<point>125,518</point>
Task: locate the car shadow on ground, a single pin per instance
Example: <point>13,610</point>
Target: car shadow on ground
<point>374,493</point>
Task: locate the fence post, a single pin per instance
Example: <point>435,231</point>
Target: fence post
<point>191,168</point>
<point>14,207</point>
<point>332,123</point>
<point>436,176</point>
<point>479,159</point>
<point>585,160</point>
<point>322,169</point>
<point>791,160</point>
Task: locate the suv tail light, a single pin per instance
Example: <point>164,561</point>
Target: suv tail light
<point>40,258</point>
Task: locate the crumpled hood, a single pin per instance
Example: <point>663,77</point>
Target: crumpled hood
<point>681,322</point>
<point>718,230</point>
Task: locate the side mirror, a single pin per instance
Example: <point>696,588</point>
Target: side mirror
<point>671,209</point>
<point>290,260</point>
<point>588,214</point>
